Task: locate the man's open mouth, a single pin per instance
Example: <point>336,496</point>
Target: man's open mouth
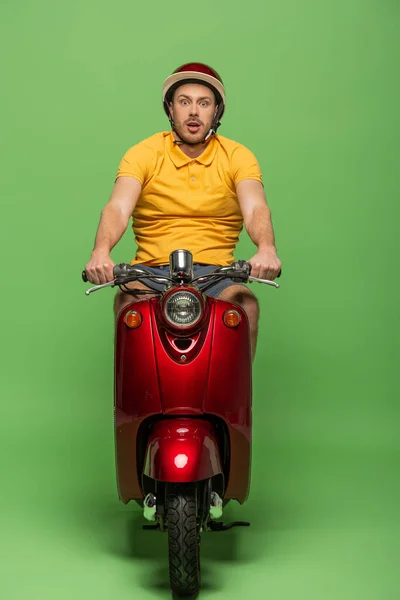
<point>193,126</point>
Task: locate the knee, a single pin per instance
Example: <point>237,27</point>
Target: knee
<point>248,302</point>
<point>252,309</point>
<point>118,305</point>
<point>120,301</point>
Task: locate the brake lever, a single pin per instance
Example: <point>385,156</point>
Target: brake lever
<point>267,281</point>
<point>99,287</point>
<point>121,280</point>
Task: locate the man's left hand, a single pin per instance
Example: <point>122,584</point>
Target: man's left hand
<point>265,264</point>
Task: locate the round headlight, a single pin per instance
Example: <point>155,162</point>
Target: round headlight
<point>183,309</point>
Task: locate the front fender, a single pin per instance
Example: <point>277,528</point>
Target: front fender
<point>181,451</point>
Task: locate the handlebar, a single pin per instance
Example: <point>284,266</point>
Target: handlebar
<point>119,271</point>
<point>125,273</point>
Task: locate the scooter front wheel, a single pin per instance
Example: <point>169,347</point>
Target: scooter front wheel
<point>183,540</point>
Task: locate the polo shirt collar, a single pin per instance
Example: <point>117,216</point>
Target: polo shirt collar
<point>180,159</point>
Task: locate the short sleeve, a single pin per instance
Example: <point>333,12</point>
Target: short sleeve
<point>245,165</point>
<point>137,162</point>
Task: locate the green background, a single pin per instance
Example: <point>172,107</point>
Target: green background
<point>313,90</point>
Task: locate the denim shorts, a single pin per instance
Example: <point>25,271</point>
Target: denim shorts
<point>209,287</point>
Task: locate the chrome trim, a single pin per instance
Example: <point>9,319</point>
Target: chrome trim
<point>150,507</point>
<point>267,281</point>
<point>181,265</point>
<point>98,287</point>
<point>216,506</point>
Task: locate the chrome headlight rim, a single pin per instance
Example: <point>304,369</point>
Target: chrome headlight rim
<point>197,299</point>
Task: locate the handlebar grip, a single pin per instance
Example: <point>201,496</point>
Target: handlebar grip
<point>279,274</point>
<point>118,271</point>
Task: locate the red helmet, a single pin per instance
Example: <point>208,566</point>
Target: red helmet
<point>195,72</point>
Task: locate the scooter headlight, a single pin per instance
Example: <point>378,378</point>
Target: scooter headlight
<point>183,309</point>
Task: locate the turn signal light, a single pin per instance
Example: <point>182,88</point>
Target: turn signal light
<point>232,318</point>
<point>133,319</point>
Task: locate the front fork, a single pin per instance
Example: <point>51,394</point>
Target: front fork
<point>210,506</point>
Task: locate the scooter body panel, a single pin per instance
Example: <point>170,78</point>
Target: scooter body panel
<point>153,382</point>
<point>182,451</point>
<point>229,396</point>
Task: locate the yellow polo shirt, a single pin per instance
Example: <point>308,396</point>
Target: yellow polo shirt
<point>186,203</point>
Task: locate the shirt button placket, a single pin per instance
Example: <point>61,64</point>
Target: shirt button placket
<point>191,176</point>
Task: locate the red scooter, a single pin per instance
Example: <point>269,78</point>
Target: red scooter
<point>182,406</point>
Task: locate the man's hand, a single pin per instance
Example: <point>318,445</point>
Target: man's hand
<point>100,268</point>
<point>265,264</point>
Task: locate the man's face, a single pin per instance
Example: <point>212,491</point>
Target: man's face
<point>193,109</point>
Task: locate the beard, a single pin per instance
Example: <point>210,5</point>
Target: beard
<point>192,138</point>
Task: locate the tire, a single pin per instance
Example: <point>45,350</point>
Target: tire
<point>183,541</point>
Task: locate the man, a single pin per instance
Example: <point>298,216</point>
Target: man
<point>192,189</point>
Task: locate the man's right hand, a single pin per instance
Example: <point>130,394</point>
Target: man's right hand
<point>100,268</point>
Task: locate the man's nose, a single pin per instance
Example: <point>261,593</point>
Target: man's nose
<point>194,110</point>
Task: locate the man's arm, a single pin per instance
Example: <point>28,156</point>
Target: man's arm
<point>113,223</point>
<point>257,221</point>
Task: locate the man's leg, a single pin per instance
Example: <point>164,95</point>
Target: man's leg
<point>241,295</point>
